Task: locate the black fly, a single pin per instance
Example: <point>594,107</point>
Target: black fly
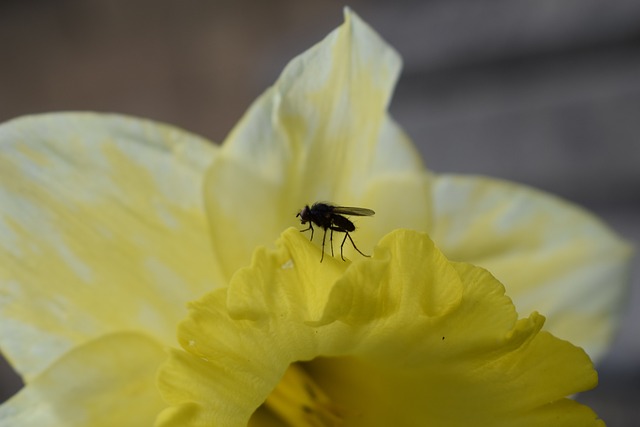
<point>330,217</point>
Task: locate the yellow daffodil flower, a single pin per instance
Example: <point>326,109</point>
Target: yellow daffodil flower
<point>406,338</point>
<point>110,224</point>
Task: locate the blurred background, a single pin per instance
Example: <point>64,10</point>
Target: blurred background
<point>544,92</point>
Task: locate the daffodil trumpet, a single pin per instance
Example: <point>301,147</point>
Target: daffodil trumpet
<point>405,338</point>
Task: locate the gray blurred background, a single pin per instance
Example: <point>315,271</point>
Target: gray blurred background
<point>542,92</point>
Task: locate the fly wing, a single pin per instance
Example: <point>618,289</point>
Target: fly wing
<point>350,210</point>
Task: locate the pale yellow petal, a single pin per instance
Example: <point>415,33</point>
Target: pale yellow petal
<point>107,382</point>
<point>102,228</point>
<point>321,133</point>
<point>552,256</point>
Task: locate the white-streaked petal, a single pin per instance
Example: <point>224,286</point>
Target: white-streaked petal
<point>102,228</point>
<point>108,382</point>
<point>552,256</point>
<point>321,133</point>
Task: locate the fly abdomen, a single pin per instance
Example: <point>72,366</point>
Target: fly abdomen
<point>342,223</point>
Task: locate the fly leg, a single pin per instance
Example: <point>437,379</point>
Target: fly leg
<point>331,241</point>
<point>324,237</point>
<point>310,227</point>
<point>346,234</point>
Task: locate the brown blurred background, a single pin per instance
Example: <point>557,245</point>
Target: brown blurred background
<point>541,92</point>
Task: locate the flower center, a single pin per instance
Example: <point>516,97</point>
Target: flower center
<point>299,401</point>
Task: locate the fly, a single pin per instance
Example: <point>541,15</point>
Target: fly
<point>330,217</point>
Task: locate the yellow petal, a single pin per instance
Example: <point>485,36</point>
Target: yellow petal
<point>110,381</point>
<point>321,133</point>
<point>102,227</point>
<point>551,255</point>
<point>404,338</point>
